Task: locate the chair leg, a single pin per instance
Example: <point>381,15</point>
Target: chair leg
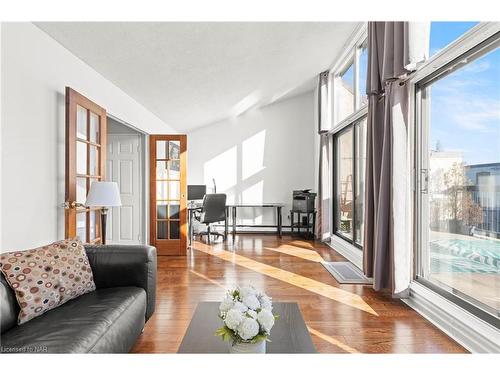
<point>208,234</point>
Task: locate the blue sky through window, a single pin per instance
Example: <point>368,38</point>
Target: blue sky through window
<point>465,105</point>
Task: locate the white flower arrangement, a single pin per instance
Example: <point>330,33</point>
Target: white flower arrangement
<point>247,316</point>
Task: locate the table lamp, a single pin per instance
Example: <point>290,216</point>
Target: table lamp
<point>103,194</point>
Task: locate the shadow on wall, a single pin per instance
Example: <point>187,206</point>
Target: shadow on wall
<point>258,157</point>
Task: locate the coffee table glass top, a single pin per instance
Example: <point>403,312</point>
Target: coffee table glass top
<point>289,334</point>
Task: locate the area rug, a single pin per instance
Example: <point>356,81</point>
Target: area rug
<point>346,273</point>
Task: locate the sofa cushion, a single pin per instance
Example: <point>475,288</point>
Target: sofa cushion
<point>48,276</point>
<point>104,321</point>
<point>9,308</point>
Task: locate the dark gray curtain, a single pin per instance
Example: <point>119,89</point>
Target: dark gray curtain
<point>387,58</point>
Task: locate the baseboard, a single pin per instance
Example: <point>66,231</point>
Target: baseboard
<point>466,329</point>
<point>347,250</point>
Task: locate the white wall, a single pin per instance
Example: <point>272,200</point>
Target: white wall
<point>35,70</point>
<point>258,157</point>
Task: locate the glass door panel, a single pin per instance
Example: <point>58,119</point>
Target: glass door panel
<point>344,183</point>
<point>94,128</point>
<point>460,203</point>
<point>81,122</point>
<point>81,158</point>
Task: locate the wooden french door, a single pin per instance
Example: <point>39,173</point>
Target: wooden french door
<point>85,163</point>
<point>168,217</point>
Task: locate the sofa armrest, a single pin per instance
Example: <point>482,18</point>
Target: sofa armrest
<point>125,265</point>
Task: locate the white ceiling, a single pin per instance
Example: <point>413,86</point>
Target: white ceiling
<point>193,74</point>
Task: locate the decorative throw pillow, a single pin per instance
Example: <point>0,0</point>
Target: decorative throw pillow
<point>48,276</point>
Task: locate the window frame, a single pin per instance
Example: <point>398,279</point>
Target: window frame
<point>473,44</point>
<point>351,55</point>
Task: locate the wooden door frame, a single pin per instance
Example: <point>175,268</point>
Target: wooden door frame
<point>75,97</point>
<point>182,138</point>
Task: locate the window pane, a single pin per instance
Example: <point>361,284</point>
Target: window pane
<point>175,149</point>
<point>161,230</point>
<point>81,158</point>
<point>174,230</point>
<point>93,225</point>
<point>81,226</point>
<point>94,161</point>
<point>161,149</point>
<point>94,128</point>
<point>463,217</point>
<point>161,210</point>
<point>81,189</point>
<point>174,210</point>
<point>344,186</point>
<point>161,190</point>
<point>443,33</point>
<point>81,122</point>
<point>345,95</point>
<point>360,180</point>
<point>174,167</point>
<point>175,190</point>
<point>161,170</point>
<point>363,70</point>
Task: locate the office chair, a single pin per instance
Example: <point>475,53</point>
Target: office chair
<point>213,210</point>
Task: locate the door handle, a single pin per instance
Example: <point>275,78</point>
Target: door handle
<point>74,204</point>
<point>424,173</point>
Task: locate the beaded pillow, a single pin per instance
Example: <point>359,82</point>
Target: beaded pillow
<point>48,276</point>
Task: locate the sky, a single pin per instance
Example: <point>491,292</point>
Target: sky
<point>465,105</point>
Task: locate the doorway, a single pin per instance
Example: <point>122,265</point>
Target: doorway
<point>168,219</point>
<point>125,166</point>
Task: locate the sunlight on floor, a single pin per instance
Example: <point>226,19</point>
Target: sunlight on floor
<point>209,279</point>
<point>310,255</point>
<point>311,285</point>
<point>332,340</point>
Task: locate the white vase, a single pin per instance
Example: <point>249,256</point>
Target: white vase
<point>247,347</point>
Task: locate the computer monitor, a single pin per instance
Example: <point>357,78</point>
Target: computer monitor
<point>196,192</point>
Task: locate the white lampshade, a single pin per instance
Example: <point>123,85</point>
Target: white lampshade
<point>103,194</point>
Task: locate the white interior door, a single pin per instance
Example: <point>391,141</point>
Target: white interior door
<point>123,167</point>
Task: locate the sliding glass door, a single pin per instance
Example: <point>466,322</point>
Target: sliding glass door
<point>349,177</point>
<point>459,198</point>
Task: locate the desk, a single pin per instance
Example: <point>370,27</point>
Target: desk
<point>277,206</point>
<point>233,208</point>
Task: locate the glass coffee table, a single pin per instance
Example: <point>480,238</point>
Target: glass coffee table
<point>289,334</point>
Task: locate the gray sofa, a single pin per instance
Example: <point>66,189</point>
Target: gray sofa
<point>108,320</point>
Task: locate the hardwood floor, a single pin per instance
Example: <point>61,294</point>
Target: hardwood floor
<point>341,318</point>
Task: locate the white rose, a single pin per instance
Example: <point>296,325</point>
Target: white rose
<point>266,320</point>
<point>266,302</point>
<point>252,302</point>
<point>247,291</point>
<point>240,306</point>
<point>226,305</point>
<point>253,314</point>
<point>233,319</point>
<point>248,329</point>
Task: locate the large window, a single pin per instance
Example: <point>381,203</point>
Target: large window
<point>349,142</point>
<point>459,193</point>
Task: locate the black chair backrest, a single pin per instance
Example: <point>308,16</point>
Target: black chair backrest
<point>213,209</point>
